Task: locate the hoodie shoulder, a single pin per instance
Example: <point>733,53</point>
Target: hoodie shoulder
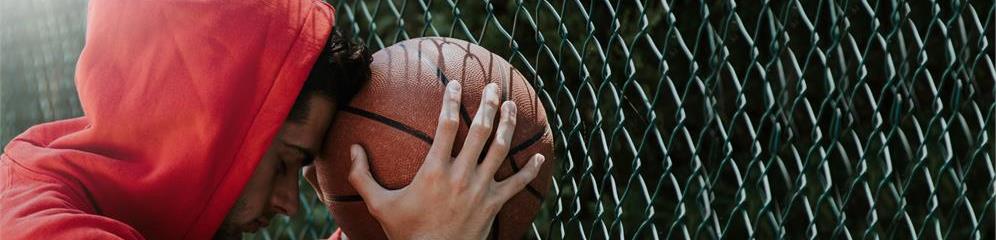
<point>37,207</point>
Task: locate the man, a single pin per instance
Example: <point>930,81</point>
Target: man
<point>198,116</point>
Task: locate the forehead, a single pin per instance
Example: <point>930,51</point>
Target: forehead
<point>310,130</point>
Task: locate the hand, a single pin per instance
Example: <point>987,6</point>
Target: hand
<point>449,198</point>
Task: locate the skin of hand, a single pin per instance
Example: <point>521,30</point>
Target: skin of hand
<point>449,198</point>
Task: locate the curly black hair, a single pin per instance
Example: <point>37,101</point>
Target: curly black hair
<point>342,68</point>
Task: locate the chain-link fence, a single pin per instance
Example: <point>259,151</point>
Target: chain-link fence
<point>790,119</point>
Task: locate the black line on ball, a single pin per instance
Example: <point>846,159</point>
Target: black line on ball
<point>347,198</point>
<point>445,80</point>
<point>529,187</point>
<point>389,122</point>
<point>529,142</point>
<point>515,166</point>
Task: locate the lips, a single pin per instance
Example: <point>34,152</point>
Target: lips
<point>262,222</point>
<point>256,224</point>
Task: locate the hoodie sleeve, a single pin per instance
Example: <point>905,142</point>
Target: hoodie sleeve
<point>35,206</point>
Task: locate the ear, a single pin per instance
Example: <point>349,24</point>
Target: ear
<point>312,177</point>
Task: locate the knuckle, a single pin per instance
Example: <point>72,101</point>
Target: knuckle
<point>433,174</point>
<point>481,195</point>
<point>508,122</point>
<point>497,200</point>
<point>501,145</point>
<point>449,122</point>
<point>520,182</point>
<point>492,102</point>
<point>460,183</point>
<point>439,174</point>
<point>492,206</point>
<point>481,128</point>
<point>530,175</point>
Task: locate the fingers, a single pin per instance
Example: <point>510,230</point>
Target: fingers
<point>479,131</point>
<point>500,146</point>
<point>514,184</point>
<point>446,129</point>
<point>360,178</point>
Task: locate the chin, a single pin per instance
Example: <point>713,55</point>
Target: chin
<point>232,230</point>
<point>227,232</point>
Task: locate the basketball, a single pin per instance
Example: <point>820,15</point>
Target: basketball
<point>394,118</point>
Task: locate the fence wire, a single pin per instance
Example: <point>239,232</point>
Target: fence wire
<point>842,119</point>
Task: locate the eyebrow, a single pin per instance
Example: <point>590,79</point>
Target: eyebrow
<point>309,155</point>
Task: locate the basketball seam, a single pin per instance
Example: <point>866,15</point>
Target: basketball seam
<point>389,122</point>
<point>347,198</point>
<point>515,167</point>
<point>444,80</point>
<point>529,142</point>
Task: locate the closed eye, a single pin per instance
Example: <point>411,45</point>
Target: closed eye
<point>304,156</point>
<point>281,167</point>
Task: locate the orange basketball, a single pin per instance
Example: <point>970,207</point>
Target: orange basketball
<point>394,117</point>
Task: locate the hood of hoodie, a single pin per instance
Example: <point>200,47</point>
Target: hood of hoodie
<point>181,99</point>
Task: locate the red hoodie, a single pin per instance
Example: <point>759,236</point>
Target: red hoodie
<point>180,99</point>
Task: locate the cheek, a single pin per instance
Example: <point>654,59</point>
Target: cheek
<point>249,206</point>
<point>253,199</point>
<point>253,203</point>
<point>240,213</point>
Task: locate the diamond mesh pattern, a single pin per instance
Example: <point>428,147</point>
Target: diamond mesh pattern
<point>793,119</point>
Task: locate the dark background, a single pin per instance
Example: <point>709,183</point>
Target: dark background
<point>683,119</point>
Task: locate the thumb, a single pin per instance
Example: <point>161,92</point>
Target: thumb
<point>360,177</point>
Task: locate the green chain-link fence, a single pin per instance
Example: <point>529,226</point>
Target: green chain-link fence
<point>790,119</point>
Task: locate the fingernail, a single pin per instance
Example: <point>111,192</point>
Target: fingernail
<point>491,91</point>
<point>511,109</point>
<point>454,87</point>
<point>505,110</point>
<point>539,159</point>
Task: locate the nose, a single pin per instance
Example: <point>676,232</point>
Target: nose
<point>285,198</point>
